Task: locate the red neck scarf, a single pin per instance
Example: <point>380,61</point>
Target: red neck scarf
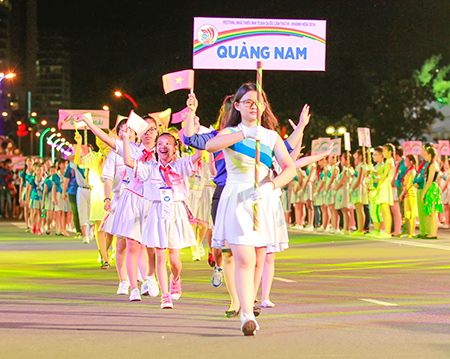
<point>147,155</point>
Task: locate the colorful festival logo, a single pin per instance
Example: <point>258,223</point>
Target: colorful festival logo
<point>207,35</point>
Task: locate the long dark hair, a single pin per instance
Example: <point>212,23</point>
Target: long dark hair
<point>268,119</point>
<point>224,111</point>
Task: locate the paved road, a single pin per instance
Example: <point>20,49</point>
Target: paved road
<point>336,298</point>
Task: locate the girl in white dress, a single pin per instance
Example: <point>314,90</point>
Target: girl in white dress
<point>342,192</point>
<point>129,215</point>
<point>166,224</point>
<point>234,222</point>
<point>359,195</point>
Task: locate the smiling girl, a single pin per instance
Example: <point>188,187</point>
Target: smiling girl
<point>127,223</point>
<point>166,225</point>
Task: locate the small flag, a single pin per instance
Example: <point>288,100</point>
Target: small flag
<point>63,116</point>
<point>178,80</point>
<point>119,118</point>
<point>137,124</point>
<point>180,116</point>
<point>163,117</point>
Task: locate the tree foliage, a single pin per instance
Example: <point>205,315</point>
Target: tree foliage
<point>437,77</point>
<point>400,110</point>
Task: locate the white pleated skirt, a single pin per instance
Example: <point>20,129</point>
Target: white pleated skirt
<point>173,232</point>
<point>128,216</point>
<point>234,221</point>
<point>108,220</point>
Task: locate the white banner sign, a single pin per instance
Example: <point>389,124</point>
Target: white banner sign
<point>238,43</point>
<point>99,117</point>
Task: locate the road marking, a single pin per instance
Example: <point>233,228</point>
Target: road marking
<point>414,244</point>
<point>374,301</point>
<point>284,280</point>
<point>20,225</point>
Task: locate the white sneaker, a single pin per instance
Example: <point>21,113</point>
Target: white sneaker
<point>309,228</point>
<point>85,240</point>
<point>267,304</point>
<point>144,288</point>
<point>123,288</point>
<point>217,277</point>
<point>328,231</point>
<point>135,296</point>
<point>153,287</point>
<point>139,277</point>
<point>320,229</point>
<point>337,231</point>
<point>201,250</point>
<point>249,325</point>
<point>92,232</point>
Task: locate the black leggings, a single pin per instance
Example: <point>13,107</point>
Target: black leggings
<point>76,219</point>
<point>215,202</point>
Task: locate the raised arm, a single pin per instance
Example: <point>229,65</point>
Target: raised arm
<point>126,149</point>
<point>196,156</point>
<point>297,136</point>
<point>305,161</point>
<point>192,104</point>
<point>96,130</point>
<point>285,161</point>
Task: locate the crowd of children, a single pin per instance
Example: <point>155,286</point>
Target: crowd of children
<point>141,189</point>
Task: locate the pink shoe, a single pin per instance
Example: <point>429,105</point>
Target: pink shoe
<point>175,288</point>
<point>166,301</point>
<point>39,231</point>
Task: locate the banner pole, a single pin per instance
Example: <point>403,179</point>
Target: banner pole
<point>259,100</point>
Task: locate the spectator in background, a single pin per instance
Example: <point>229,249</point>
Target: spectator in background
<point>5,192</point>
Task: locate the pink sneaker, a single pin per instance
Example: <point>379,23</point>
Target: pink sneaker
<point>175,288</point>
<point>166,301</point>
<point>39,231</point>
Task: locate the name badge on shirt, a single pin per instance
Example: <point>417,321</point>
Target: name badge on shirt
<point>166,195</point>
<point>166,202</point>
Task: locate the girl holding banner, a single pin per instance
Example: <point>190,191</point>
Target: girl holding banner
<point>235,214</point>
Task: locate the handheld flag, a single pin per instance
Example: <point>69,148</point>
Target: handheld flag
<point>137,124</point>
<point>162,117</point>
<point>180,116</point>
<point>178,80</point>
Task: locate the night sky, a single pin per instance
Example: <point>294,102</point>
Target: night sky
<point>131,44</point>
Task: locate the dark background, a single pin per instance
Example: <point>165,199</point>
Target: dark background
<point>129,45</point>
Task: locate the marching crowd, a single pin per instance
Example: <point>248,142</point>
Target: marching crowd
<point>151,194</point>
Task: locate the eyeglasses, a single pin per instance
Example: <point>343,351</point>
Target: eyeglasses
<point>152,129</point>
<point>249,103</point>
